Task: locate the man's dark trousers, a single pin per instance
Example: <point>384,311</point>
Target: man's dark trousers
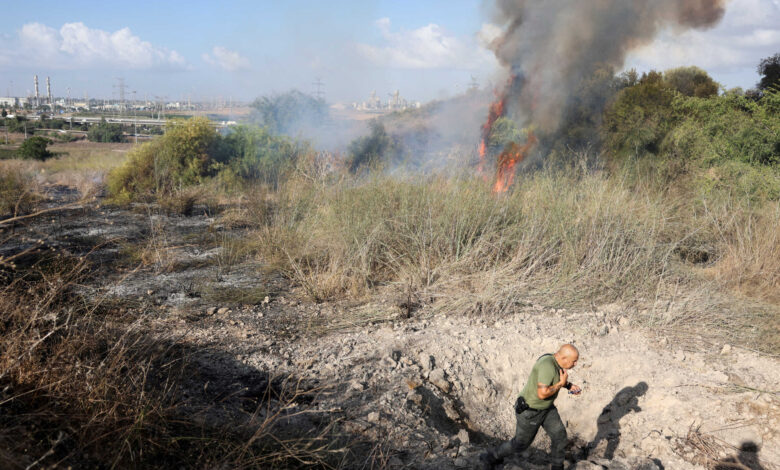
<point>528,424</point>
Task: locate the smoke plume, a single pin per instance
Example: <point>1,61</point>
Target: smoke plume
<point>550,46</point>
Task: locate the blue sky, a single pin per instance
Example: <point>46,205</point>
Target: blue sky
<point>244,49</point>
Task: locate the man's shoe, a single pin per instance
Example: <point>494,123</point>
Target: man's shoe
<point>556,467</point>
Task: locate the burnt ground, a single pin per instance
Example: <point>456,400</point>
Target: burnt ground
<point>407,391</point>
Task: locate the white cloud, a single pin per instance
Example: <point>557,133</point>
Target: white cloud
<point>225,58</point>
<point>427,47</point>
<point>749,31</point>
<point>75,45</point>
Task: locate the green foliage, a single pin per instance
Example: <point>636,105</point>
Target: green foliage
<point>258,155</point>
<point>728,143</point>
<point>374,149</point>
<point>503,132</point>
<point>287,112</point>
<point>639,118</point>
<point>34,148</point>
<point>18,123</point>
<point>691,81</point>
<point>769,69</point>
<point>105,132</point>
<point>725,128</point>
<point>189,152</point>
<point>581,123</point>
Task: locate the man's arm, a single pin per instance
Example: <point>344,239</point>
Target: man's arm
<point>544,391</point>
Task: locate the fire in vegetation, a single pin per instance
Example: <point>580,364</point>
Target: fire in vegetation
<point>512,153</point>
<point>496,111</point>
<point>509,158</point>
<point>551,48</point>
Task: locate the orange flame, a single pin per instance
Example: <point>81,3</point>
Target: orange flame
<point>495,112</point>
<point>512,154</point>
<point>509,158</point>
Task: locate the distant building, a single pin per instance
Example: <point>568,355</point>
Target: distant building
<point>394,103</point>
<point>12,101</point>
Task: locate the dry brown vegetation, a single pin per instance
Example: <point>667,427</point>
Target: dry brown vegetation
<point>570,237</point>
<point>86,385</point>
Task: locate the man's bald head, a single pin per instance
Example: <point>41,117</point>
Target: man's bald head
<point>567,356</point>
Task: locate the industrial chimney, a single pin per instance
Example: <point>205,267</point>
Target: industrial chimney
<point>37,96</point>
<point>48,93</point>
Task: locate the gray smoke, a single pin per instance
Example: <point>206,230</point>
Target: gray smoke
<point>550,46</point>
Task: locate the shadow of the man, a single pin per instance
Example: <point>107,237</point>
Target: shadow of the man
<point>625,401</point>
<point>747,459</point>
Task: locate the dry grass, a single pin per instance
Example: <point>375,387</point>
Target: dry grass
<point>566,237</point>
<point>17,193</point>
<point>713,453</point>
<point>576,236</point>
<point>82,388</point>
<point>82,165</point>
<point>749,242</point>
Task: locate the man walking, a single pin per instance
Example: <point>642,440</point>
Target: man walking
<point>535,408</point>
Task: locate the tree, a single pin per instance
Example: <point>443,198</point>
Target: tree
<point>34,148</point>
<point>373,149</point>
<point>691,81</point>
<point>4,113</point>
<point>769,69</point>
<point>289,112</point>
<point>639,117</point>
<point>105,132</point>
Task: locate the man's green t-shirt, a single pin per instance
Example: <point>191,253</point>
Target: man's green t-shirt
<point>546,371</point>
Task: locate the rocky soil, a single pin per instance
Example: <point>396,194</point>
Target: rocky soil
<point>430,390</point>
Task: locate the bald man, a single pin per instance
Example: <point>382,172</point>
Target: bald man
<point>535,408</point>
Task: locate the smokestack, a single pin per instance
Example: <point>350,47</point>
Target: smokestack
<point>550,47</point>
<point>48,93</point>
<point>37,96</point>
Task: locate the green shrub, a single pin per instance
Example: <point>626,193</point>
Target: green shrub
<point>188,153</point>
<point>638,120</point>
<point>257,155</point>
<point>729,127</point>
<point>105,132</point>
<point>34,148</point>
<point>654,119</point>
<point>377,148</point>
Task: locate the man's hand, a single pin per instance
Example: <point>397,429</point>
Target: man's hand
<point>575,389</point>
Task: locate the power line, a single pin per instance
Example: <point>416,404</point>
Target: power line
<point>318,93</point>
